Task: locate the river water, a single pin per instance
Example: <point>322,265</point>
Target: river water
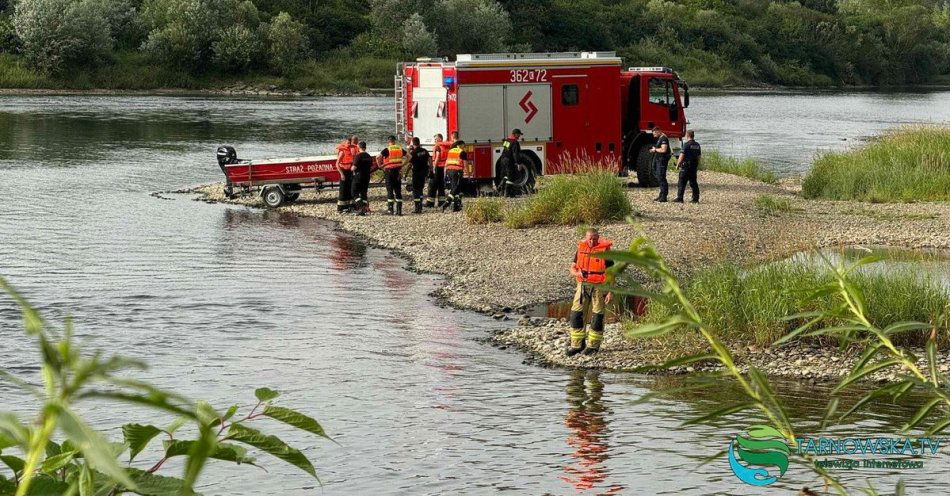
<point>222,299</point>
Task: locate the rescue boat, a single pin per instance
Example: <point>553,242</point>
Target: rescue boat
<point>276,180</point>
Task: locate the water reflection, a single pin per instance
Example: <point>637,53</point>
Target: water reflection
<point>589,434</point>
<point>346,252</point>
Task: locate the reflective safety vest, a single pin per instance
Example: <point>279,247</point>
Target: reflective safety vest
<point>453,160</point>
<point>443,149</point>
<point>394,159</point>
<point>346,162</point>
<point>593,270</point>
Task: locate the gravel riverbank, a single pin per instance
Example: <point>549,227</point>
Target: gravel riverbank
<point>491,268</point>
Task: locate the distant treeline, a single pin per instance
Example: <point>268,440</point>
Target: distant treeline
<point>350,44</point>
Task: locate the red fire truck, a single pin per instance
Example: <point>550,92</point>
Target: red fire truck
<point>569,106</point>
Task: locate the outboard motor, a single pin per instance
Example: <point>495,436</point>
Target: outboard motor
<point>227,155</point>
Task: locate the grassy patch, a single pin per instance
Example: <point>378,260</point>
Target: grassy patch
<point>748,306</point>
<point>773,206</point>
<point>585,198</point>
<point>745,167</point>
<point>885,216</point>
<point>911,164</point>
<point>484,211</point>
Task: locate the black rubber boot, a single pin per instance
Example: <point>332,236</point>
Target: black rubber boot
<point>457,206</point>
<point>591,351</point>
<point>399,208</point>
<point>389,208</point>
<point>574,351</point>
<point>418,207</point>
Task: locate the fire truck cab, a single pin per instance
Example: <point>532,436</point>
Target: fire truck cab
<point>572,108</point>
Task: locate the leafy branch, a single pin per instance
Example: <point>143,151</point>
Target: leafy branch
<point>85,463</point>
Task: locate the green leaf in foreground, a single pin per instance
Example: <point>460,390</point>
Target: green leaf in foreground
<point>271,445</point>
<point>53,463</point>
<point>137,436</point>
<point>224,451</point>
<point>265,394</point>
<point>16,464</point>
<point>6,486</point>
<point>95,449</point>
<point>44,485</point>
<point>156,485</point>
<point>197,457</point>
<point>296,419</point>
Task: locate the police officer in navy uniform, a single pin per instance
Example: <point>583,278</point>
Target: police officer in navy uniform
<point>661,160</point>
<point>688,164</point>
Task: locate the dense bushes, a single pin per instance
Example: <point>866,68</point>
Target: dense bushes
<point>59,33</point>
<point>751,306</point>
<point>710,42</point>
<point>287,42</point>
<point>904,166</point>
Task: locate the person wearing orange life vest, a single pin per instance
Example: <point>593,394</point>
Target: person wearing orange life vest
<point>454,170</point>
<point>392,159</point>
<point>590,272</point>
<point>344,165</point>
<point>436,191</point>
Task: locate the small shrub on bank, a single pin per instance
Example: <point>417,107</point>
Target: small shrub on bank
<point>484,211</point>
<point>912,164</point>
<point>586,198</point>
<point>745,167</point>
<point>749,306</point>
<point>772,206</point>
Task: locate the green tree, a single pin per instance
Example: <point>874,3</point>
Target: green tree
<point>236,48</point>
<point>418,41</point>
<point>287,42</point>
<point>58,34</point>
<point>470,26</point>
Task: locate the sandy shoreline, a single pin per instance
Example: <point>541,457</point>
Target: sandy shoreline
<point>493,269</point>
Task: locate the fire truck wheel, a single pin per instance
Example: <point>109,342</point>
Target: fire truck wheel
<point>273,197</point>
<point>524,178</point>
<point>645,167</point>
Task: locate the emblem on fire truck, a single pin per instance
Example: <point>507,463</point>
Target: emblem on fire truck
<point>528,106</point>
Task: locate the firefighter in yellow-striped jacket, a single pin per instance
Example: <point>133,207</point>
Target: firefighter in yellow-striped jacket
<point>392,159</point>
<point>454,170</point>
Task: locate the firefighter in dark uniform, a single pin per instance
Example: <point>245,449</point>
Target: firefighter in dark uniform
<point>661,160</point>
<point>421,162</point>
<point>436,193</point>
<point>590,273</point>
<point>344,165</point>
<point>392,158</point>
<point>508,162</point>
<point>688,164</point>
<point>362,168</point>
<point>454,170</point>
